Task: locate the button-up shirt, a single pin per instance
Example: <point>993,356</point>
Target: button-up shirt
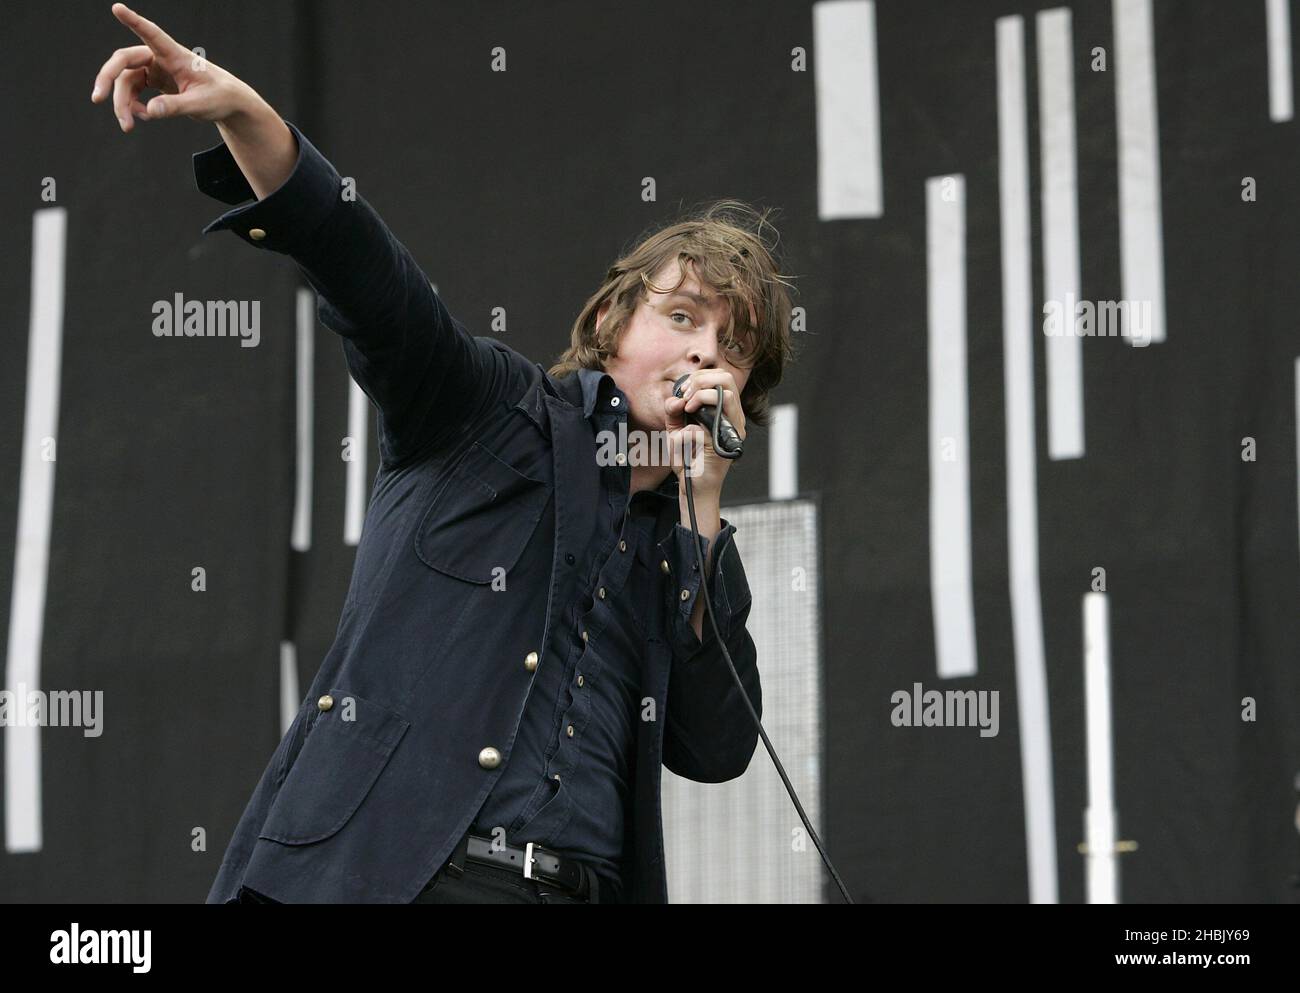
<point>569,781</point>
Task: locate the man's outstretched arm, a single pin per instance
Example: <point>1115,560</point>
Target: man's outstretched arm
<point>426,374</point>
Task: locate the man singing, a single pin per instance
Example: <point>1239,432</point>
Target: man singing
<point>523,643</point>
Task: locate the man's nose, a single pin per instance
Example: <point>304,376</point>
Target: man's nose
<point>704,350</point>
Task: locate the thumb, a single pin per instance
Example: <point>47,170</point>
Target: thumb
<point>171,105</point>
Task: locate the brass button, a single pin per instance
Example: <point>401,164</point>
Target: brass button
<point>579,679</point>
<point>664,566</point>
<point>569,730</point>
<point>325,702</point>
<point>530,661</point>
<point>489,758</point>
<point>686,594</point>
<point>584,634</point>
<point>257,234</point>
<point>622,546</point>
<point>620,458</point>
<point>601,593</point>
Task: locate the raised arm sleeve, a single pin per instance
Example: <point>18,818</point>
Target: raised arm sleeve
<point>427,376</point>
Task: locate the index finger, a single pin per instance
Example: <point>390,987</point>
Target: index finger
<point>146,30</point>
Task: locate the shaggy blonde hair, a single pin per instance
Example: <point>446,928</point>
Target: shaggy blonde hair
<point>723,240</point>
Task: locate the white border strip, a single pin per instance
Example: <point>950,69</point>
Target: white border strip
<point>1099,819</point>
<point>783,453</point>
<point>1280,86</point>
<point>951,593</point>
<point>354,513</point>
<point>23,825</point>
<point>1018,333</point>
<point>1141,247</point>
<point>306,312</point>
<point>290,694</point>
<point>1060,203</point>
<point>849,178</point>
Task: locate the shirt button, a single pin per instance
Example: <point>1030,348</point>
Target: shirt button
<point>620,458</point>
<point>686,594</point>
<point>569,730</point>
<point>584,636</point>
<point>601,593</point>
<point>664,566</point>
<point>556,777</point>
<point>325,702</point>
<point>489,758</point>
<point>622,546</point>
<point>257,234</point>
<point>579,679</point>
<point>568,557</point>
<point>530,661</point>
<point>613,401</point>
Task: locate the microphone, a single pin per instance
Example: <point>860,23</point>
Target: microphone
<point>726,439</point>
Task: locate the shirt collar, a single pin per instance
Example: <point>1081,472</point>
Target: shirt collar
<point>598,387</point>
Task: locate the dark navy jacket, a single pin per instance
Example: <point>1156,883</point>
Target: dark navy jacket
<point>411,717</point>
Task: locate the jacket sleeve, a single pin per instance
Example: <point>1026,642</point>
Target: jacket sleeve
<point>426,375</point>
<point>709,734</point>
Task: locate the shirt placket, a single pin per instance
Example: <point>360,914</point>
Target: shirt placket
<point>611,567</point>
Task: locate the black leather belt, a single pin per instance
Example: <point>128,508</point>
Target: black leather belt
<point>533,861</point>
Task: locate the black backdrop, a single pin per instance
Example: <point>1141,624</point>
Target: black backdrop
<point>515,190</point>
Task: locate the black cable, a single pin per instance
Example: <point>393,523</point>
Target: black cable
<point>708,609</point>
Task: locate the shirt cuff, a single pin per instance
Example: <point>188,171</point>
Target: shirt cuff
<point>287,217</point>
<point>728,588</point>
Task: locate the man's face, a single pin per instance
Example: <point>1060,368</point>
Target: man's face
<point>668,335</point>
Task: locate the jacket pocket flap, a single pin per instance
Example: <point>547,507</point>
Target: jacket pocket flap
<point>482,518</point>
<point>346,749</point>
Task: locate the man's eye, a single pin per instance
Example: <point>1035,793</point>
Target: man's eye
<point>678,313</point>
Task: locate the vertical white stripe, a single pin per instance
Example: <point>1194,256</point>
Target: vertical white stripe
<point>1099,819</point>
<point>849,182</point>
<point>950,539</point>
<point>23,825</point>
<point>1018,330</point>
<point>1060,196</point>
<point>1280,96</point>
<point>290,694</point>
<point>783,453</point>
<point>306,309</point>
<point>354,512</point>
<point>1141,247</point>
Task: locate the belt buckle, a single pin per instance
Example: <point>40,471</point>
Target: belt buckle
<point>528,860</point>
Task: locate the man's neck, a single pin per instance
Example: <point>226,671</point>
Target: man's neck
<point>647,477</point>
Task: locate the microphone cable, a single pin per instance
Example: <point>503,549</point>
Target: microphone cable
<point>708,609</point>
